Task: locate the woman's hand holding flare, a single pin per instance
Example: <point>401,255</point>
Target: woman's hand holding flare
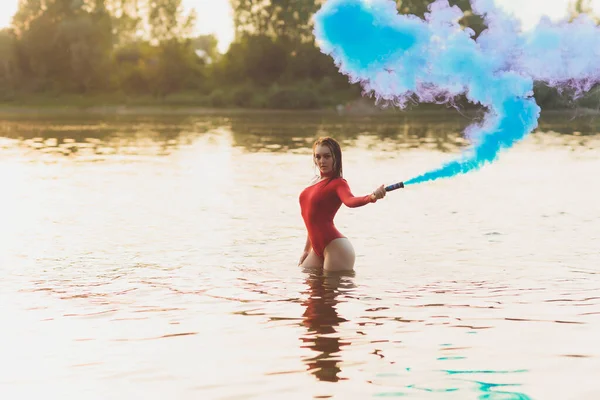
<point>379,193</point>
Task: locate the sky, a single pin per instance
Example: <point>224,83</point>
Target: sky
<point>214,16</point>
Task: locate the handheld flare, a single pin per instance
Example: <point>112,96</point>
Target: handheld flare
<point>395,186</point>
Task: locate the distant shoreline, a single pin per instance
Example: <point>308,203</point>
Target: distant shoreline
<point>169,109</point>
<point>141,110</point>
<point>8,110</point>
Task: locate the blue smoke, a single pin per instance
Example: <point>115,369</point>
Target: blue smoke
<point>401,58</point>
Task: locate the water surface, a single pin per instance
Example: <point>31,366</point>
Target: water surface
<point>156,257</point>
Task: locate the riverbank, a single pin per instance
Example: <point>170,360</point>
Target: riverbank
<point>46,106</point>
<point>237,100</point>
<point>69,106</point>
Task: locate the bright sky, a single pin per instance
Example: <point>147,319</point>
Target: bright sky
<point>214,16</point>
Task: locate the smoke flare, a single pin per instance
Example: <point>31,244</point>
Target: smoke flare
<point>399,58</point>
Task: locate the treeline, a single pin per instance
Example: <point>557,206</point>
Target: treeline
<point>143,50</point>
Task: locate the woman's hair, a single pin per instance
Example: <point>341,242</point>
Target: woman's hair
<point>336,153</point>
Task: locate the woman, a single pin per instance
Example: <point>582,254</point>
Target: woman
<point>325,246</point>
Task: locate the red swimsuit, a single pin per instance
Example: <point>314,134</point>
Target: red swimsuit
<point>319,204</point>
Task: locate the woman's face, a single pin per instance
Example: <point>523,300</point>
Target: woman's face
<point>324,159</point>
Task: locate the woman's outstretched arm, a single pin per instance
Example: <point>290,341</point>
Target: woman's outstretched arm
<point>345,194</point>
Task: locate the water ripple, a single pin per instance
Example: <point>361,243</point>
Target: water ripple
<point>163,252</point>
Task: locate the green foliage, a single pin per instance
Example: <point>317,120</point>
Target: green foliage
<point>257,58</point>
<point>420,7</point>
<point>243,96</point>
<point>167,21</point>
<point>9,69</point>
<point>591,99</point>
<point>64,47</point>
<point>293,98</point>
<point>134,68</point>
<point>178,68</point>
<point>308,62</point>
<point>142,51</point>
<point>127,20</point>
<point>549,97</point>
<point>207,44</point>
<point>219,98</point>
<point>282,19</point>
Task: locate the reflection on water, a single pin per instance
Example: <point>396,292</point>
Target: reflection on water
<point>321,319</point>
<point>130,135</point>
<point>324,337</point>
<point>156,257</point>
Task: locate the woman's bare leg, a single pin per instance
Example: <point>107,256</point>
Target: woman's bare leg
<point>339,255</point>
<point>312,261</point>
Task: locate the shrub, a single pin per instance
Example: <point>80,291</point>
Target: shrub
<point>293,98</point>
<point>218,98</point>
<point>243,96</point>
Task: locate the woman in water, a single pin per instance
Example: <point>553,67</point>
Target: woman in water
<point>325,246</point>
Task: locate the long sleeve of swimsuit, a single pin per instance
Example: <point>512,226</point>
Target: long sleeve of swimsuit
<point>343,191</point>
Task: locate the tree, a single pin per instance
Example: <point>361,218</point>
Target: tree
<point>9,72</point>
<point>170,29</point>
<point>270,34</point>
<point>27,11</point>
<point>127,20</point>
<point>289,20</point>
<point>207,44</point>
<point>178,69</point>
<point>420,7</point>
<point>88,38</point>
<point>259,58</point>
<point>579,7</point>
<point>65,44</point>
<point>167,20</point>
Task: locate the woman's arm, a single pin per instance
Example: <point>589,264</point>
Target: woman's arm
<point>343,191</point>
<point>307,248</point>
<point>308,244</point>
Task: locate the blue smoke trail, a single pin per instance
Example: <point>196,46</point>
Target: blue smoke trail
<point>399,58</point>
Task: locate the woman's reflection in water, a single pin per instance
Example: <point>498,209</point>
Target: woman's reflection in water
<point>321,319</point>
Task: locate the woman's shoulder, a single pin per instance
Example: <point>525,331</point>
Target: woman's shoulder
<point>314,180</point>
<point>335,183</point>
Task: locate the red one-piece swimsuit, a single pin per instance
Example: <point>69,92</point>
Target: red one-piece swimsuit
<point>319,204</point>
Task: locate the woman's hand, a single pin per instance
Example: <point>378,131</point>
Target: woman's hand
<point>379,193</point>
<point>303,257</point>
